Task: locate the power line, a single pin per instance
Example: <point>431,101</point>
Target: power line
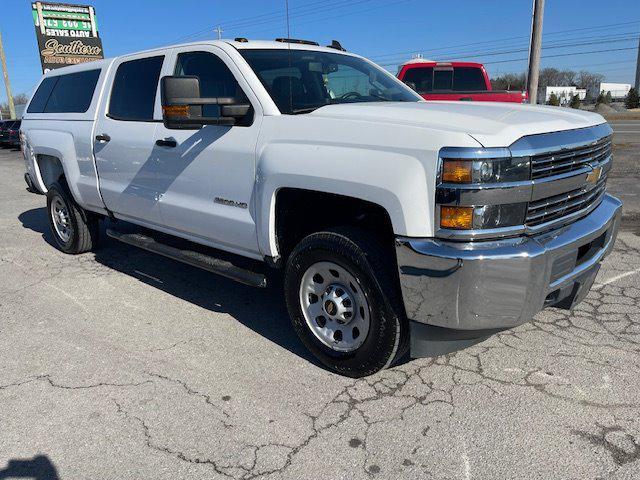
<point>500,40</point>
<point>477,53</point>
<point>562,55</point>
<point>333,17</point>
<point>523,46</point>
<point>278,17</point>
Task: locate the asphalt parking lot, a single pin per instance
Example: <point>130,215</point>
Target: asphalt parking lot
<point>626,131</point>
<point>120,364</point>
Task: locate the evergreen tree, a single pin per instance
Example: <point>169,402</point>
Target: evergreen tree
<point>632,100</point>
<point>608,98</point>
<point>554,100</point>
<point>575,101</point>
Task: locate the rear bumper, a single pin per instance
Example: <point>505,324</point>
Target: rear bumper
<point>502,284</point>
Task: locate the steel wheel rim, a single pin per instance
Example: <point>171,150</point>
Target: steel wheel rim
<point>334,306</point>
<point>61,219</point>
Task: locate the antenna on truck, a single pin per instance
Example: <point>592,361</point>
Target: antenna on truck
<point>286,6</point>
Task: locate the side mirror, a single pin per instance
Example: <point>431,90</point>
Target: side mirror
<point>182,105</point>
<point>411,85</point>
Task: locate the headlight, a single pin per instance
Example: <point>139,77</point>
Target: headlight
<point>481,189</point>
<point>491,170</point>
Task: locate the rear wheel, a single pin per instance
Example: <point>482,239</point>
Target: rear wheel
<point>74,230</point>
<point>343,302</point>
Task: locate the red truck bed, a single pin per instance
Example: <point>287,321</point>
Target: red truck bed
<point>454,81</point>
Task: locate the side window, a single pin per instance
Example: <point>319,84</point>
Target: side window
<point>468,79</point>
<point>73,93</point>
<point>216,80</point>
<point>442,79</point>
<point>421,77</point>
<point>70,93</point>
<point>135,84</point>
<point>40,98</point>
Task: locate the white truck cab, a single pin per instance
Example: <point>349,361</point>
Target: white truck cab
<point>398,222</point>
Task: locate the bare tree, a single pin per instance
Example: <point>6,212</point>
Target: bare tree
<point>590,82</point>
<point>510,81</point>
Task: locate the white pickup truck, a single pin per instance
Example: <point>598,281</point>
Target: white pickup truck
<point>397,223</point>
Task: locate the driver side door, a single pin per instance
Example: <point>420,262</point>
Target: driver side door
<point>207,175</point>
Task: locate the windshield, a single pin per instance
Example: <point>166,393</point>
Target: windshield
<point>299,81</point>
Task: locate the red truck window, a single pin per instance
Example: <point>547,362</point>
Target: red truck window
<point>442,79</point>
<point>468,79</point>
<point>422,78</point>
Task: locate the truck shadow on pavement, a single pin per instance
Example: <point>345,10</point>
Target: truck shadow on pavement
<point>261,310</point>
<point>36,468</point>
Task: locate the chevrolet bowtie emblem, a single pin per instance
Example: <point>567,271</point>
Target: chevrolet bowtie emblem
<point>594,176</point>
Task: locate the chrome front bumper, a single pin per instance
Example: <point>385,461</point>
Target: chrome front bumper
<point>502,284</point>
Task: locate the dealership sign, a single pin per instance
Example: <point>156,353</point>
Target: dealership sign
<point>67,34</point>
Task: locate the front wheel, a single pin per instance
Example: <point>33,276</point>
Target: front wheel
<point>342,297</point>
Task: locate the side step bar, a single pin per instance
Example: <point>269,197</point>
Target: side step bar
<point>195,259</point>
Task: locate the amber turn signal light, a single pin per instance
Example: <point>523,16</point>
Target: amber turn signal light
<point>175,110</point>
<point>456,171</point>
<point>459,218</point>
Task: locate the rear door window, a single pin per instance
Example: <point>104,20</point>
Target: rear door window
<point>73,93</point>
<point>70,93</point>
<point>468,79</point>
<point>40,98</point>
<point>134,90</point>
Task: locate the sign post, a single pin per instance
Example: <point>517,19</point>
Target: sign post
<point>67,34</point>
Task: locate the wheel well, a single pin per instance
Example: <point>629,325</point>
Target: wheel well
<point>50,168</point>
<point>301,212</point>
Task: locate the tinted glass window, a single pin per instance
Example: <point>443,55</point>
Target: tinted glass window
<point>299,81</point>
<point>442,79</point>
<point>39,100</point>
<point>73,93</point>
<point>421,77</point>
<point>216,80</point>
<point>134,90</point>
<point>468,79</point>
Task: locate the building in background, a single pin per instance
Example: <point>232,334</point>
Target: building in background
<point>565,94</point>
<point>618,90</point>
<point>67,34</point>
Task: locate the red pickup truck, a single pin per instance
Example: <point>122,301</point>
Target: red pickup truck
<point>454,81</point>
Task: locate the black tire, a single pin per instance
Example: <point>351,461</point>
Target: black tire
<point>83,226</point>
<point>354,250</point>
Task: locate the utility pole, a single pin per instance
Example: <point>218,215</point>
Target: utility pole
<point>7,85</point>
<point>534,51</point>
<point>219,31</point>
<point>638,69</point>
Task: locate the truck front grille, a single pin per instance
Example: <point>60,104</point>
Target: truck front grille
<point>548,164</point>
<point>559,206</point>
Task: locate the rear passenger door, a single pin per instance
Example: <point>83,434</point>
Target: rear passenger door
<point>124,139</point>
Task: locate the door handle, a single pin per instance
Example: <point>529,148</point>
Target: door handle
<point>103,137</point>
<point>167,142</point>
<point>465,99</point>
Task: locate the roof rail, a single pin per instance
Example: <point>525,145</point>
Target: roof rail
<point>336,44</point>
<point>240,39</point>
<point>296,40</point>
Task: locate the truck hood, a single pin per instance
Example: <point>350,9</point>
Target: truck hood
<point>491,124</point>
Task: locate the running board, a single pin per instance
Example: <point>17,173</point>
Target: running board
<point>195,259</point>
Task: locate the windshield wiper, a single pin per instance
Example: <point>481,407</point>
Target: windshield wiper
<point>297,111</point>
<point>381,97</point>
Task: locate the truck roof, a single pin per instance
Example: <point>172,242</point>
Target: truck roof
<point>239,45</point>
<point>441,63</point>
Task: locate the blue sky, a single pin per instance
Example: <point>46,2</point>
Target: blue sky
<point>388,31</point>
